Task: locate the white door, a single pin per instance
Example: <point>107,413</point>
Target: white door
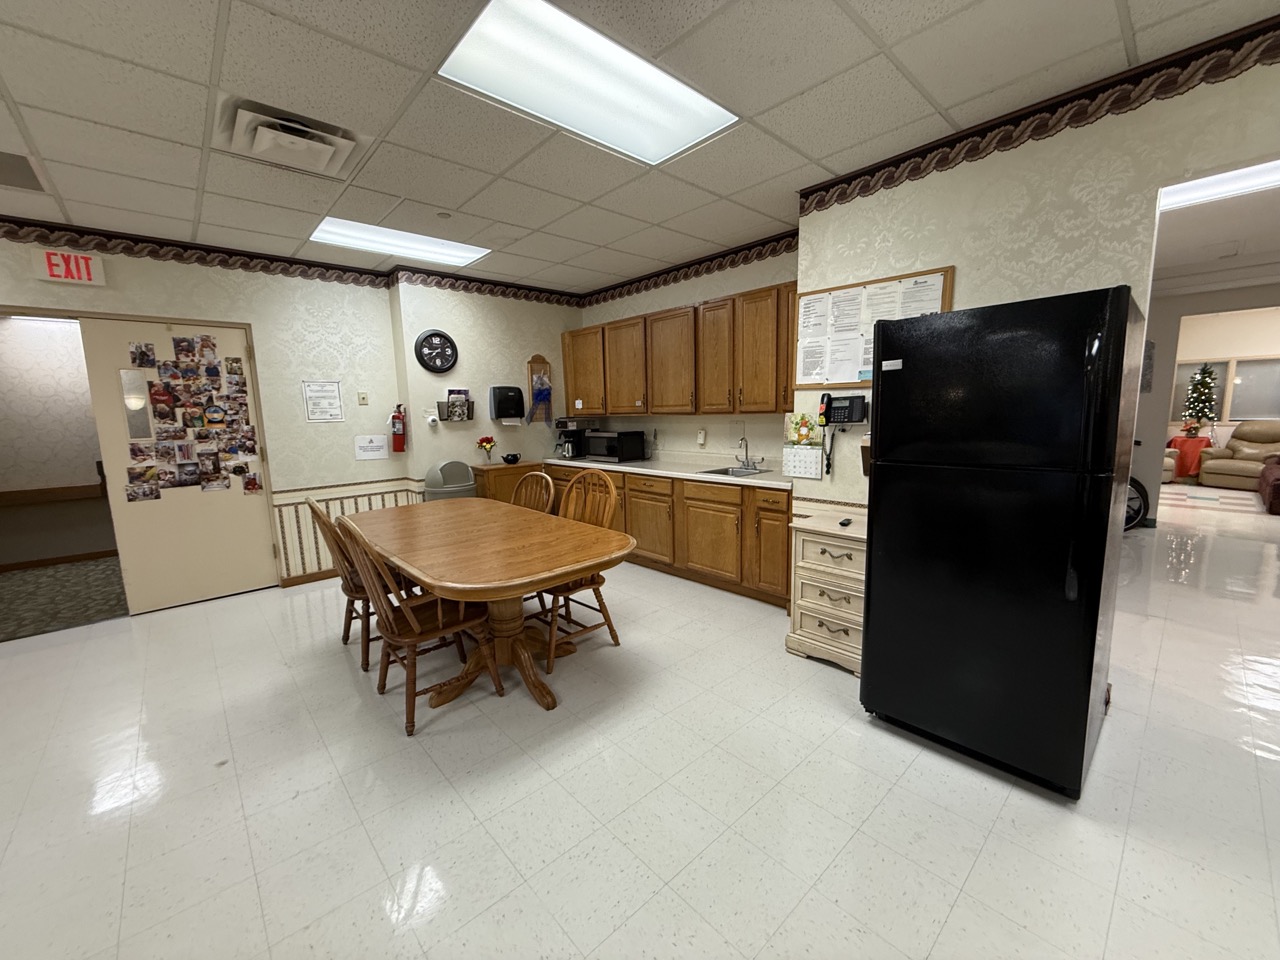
<point>182,452</point>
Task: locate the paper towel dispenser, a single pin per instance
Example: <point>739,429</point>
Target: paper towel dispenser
<point>506,403</point>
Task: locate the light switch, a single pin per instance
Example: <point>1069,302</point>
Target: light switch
<point>362,398</point>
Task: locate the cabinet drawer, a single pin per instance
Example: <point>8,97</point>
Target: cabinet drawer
<point>772,499</point>
<point>563,473</point>
<point>829,630</point>
<point>841,601</point>
<point>646,484</point>
<point>843,555</point>
<point>714,492</point>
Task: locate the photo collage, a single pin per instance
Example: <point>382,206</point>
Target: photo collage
<point>203,436</point>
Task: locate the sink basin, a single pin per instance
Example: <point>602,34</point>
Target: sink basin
<point>733,472</point>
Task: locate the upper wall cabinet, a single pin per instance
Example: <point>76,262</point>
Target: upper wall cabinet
<point>670,358</point>
<point>714,357</point>
<point>756,350</point>
<point>584,371</point>
<point>624,367</point>
<point>787,307</point>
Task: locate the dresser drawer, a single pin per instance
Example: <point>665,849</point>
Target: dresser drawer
<point>845,556</point>
<point>644,484</point>
<point>834,631</point>
<point>841,601</point>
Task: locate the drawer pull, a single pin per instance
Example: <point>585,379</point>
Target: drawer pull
<point>835,556</point>
<point>823,625</point>
<point>831,596</point>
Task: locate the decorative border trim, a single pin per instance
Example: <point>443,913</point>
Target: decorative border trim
<point>1212,62</point>
<point>448,281</point>
<point>834,503</point>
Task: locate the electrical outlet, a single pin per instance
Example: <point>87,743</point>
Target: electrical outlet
<point>702,438</point>
<point>362,398</point>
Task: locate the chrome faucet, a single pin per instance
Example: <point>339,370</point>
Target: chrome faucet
<point>745,459</point>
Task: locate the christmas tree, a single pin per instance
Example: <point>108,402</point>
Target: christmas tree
<point>1200,404</point>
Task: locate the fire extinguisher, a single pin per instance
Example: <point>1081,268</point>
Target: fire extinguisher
<point>398,427</point>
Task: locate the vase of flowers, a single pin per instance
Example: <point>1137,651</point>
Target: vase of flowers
<point>1191,428</point>
<point>487,444</point>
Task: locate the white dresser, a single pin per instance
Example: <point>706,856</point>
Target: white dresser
<point>828,563</point>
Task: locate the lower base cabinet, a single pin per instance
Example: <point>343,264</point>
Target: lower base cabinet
<point>650,519</point>
<point>498,481</point>
<point>709,534</point>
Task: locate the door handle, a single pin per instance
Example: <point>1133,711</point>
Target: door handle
<point>831,596</point>
<point>823,551</point>
<point>823,625</point>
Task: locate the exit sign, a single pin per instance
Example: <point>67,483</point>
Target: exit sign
<point>69,267</point>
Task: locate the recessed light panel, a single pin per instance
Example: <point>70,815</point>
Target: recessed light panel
<point>400,243</point>
<point>1264,176</point>
<point>535,57</point>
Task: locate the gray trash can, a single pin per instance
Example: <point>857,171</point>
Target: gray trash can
<point>447,480</point>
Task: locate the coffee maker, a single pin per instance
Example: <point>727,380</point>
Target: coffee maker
<point>572,444</point>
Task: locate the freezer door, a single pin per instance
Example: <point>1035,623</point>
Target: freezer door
<point>981,609</point>
<point>1033,384</point>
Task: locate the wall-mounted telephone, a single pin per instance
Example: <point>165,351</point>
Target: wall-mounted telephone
<point>850,409</point>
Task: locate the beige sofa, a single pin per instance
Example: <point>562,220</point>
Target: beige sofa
<point>1168,466</point>
<point>1239,464</point>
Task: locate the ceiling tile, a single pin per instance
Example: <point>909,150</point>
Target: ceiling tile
<point>646,27</point>
<point>575,279</point>
<point>616,262</point>
<point>893,20</point>
<point>394,169</point>
<point>246,240</point>
<point>340,256</point>
<point>258,217</point>
<point>666,245</point>
<point>128,221</point>
<point>1033,34</point>
<point>593,225</point>
<point>420,33</point>
<point>498,236</point>
<point>574,168</point>
<point>29,205</point>
<point>11,140</point>
<point>1144,13</point>
<point>655,197</point>
<point>546,246</point>
<point>446,122</point>
<point>1197,25</point>
<point>516,203</point>
<point>427,220</point>
<point>492,275</point>
<point>509,264</point>
<point>916,134</point>
<point>106,148</point>
<point>777,198</point>
<point>722,220</point>
<point>173,37</point>
<point>99,88</point>
<point>872,98</point>
<point>363,206</point>
<point>1047,82</point>
<point>251,180</point>
<point>276,61</point>
<point>760,52</point>
<point>736,160</point>
<point>125,193</point>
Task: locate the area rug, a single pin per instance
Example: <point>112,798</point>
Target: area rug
<point>43,599</point>
<point>1210,498</point>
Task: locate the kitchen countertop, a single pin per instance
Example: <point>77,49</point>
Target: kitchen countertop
<point>824,518</point>
<point>685,467</point>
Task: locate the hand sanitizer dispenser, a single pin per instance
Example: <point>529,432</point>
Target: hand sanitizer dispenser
<point>506,404</point>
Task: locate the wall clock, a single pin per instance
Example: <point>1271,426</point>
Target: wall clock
<point>436,351</point>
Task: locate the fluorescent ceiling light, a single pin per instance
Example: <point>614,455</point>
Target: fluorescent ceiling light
<point>536,57</point>
<point>1221,185</point>
<point>415,246</point>
<point>16,316</point>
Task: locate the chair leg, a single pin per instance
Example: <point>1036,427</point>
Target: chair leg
<point>410,686</point>
<point>364,636</point>
<point>383,665</point>
<point>462,651</point>
<point>552,630</point>
<point>604,612</point>
<point>348,616</point>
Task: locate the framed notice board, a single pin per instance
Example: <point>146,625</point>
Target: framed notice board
<point>834,325</point>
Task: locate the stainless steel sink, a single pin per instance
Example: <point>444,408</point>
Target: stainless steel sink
<point>733,472</point>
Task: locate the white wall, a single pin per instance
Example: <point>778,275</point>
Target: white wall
<point>47,432</point>
<point>1073,212</point>
<point>1243,333</point>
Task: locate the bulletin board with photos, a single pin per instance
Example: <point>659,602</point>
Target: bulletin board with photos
<point>834,325</point>
<point>202,433</point>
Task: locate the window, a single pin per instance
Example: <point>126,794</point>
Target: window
<point>1246,389</point>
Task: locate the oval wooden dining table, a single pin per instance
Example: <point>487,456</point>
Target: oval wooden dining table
<point>485,550</point>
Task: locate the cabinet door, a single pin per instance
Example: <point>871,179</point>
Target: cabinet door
<point>711,539</point>
<point>771,560</point>
<point>624,367</point>
<point>620,509</point>
<point>787,345</point>
<point>756,350</point>
<point>584,371</point>
<point>671,352</point>
<point>714,355</point>
<point>502,483</point>
<point>649,521</point>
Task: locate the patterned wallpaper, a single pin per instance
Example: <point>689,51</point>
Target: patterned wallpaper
<point>47,430</point>
<point>1073,212</point>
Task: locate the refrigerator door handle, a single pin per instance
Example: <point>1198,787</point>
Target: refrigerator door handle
<point>1071,589</point>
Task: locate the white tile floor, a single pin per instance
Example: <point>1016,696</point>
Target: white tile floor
<point>222,781</point>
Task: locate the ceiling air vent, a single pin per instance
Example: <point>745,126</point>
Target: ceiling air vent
<point>261,132</point>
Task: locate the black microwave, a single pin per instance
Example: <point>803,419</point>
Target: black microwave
<point>615,446</point>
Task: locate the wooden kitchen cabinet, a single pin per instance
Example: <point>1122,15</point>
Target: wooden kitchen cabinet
<point>649,517</point>
<point>670,358</point>
<point>624,367</point>
<point>584,371</point>
<point>709,529</point>
<point>714,356</point>
<point>787,334</point>
<point>756,350</point>
<point>498,481</point>
<point>767,543</point>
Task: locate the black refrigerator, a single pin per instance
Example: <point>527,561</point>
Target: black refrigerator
<point>1000,446</point>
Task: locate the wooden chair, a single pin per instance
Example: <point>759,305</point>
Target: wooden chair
<point>415,625</point>
<point>535,491</point>
<point>352,587</point>
<point>590,498</point>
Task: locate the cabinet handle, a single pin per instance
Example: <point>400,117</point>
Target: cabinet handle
<point>668,511</point>
<point>769,500</point>
<point>602,403</point>
<point>831,596</point>
<point>728,396</point>
<point>823,625</point>
<point>822,551</point>
<point>739,396</point>
<point>757,526</point>
<point>690,399</point>
<point>784,396</point>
